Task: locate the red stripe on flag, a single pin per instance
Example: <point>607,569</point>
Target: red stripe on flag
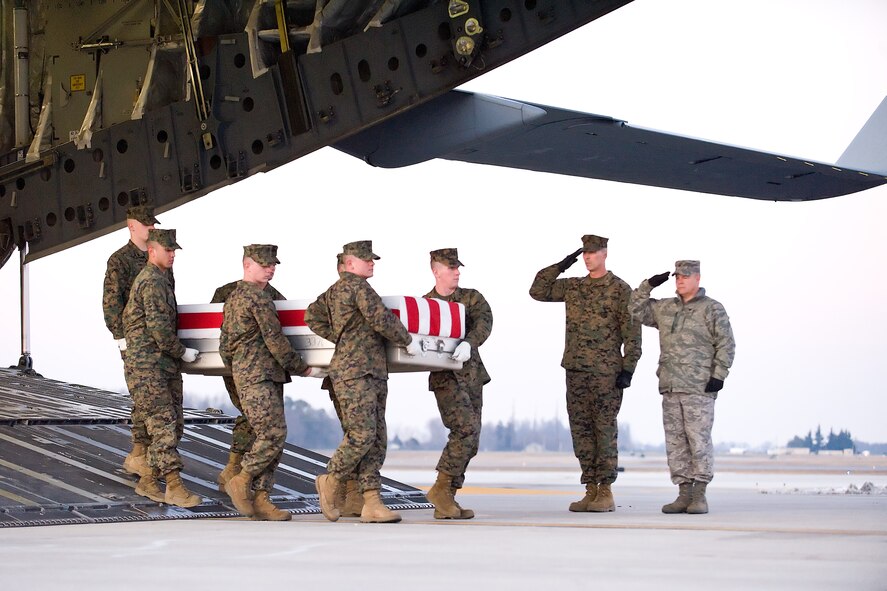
<point>456,330</point>
<point>195,320</point>
<point>291,317</point>
<point>412,314</point>
<point>434,320</point>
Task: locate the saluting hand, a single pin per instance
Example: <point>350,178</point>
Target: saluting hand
<point>569,260</point>
<point>657,280</point>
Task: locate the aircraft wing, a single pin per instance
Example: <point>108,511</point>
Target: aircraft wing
<point>490,130</point>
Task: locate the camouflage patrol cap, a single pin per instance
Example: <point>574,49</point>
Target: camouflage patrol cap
<point>340,259</point>
<point>447,256</point>
<point>264,254</point>
<point>142,214</point>
<point>362,249</point>
<point>165,238</point>
<point>592,243</point>
<point>685,267</point>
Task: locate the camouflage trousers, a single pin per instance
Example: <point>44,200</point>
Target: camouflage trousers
<point>242,435</point>
<point>460,405</point>
<point>139,431</point>
<point>327,385</point>
<point>157,403</point>
<point>263,407</point>
<point>593,402</point>
<point>365,439</point>
<point>688,419</point>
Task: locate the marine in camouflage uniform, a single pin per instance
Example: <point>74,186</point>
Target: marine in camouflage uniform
<point>153,368</point>
<point>603,346</point>
<point>261,359</point>
<point>123,267</point>
<point>459,393</point>
<point>351,315</point>
<point>696,351</point>
<point>242,435</point>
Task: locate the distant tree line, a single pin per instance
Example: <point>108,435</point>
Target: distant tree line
<point>816,442</point>
<point>315,429</point>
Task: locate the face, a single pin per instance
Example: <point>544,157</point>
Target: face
<point>687,285</point>
<point>445,277</point>
<point>359,267</point>
<point>258,273</point>
<point>594,261</point>
<point>162,258</point>
<point>139,231</point>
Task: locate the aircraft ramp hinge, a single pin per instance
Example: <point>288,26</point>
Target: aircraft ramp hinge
<point>384,93</point>
<point>191,179</point>
<point>30,231</point>
<point>85,216</point>
<point>236,165</point>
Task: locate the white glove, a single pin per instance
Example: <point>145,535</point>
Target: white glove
<point>316,372</point>
<point>190,355</point>
<point>415,346</point>
<point>462,352</point>
<point>121,344</point>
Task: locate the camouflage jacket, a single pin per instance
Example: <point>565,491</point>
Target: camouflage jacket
<point>695,339</point>
<point>351,315</point>
<point>478,326</point>
<point>123,267</point>
<point>149,323</point>
<point>252,342</point>
<point>601,336</point>
<point>221,294</point>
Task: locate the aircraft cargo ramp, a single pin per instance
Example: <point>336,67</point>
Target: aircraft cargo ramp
<point>62,447</point>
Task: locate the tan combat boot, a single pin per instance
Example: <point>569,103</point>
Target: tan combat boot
<point>463,513</point>
<point>231,469</point>
<point>680,504</point>
<point>137,462</point>
<point>147,487</point>
<point>581,505</point>
<point>176,493</point>
<point>268,511</point>
<point>698,503</point>
<point>441,495</point>
<point>353,503</point>
<point>326,485</point>
<point>374,511</point>
<point>603,502</point>
<point>239,489</point>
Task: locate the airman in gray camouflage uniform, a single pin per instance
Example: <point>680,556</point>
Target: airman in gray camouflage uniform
<point>242,435</point>
<point>356,320</point>
<point>153,369</point>
<point>696,351</point>
<point>602,349</point>
<point>123,267</point>
<point>261,359</point>
<point>459,393</point>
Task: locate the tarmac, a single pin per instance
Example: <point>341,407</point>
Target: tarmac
<point>775,523</point>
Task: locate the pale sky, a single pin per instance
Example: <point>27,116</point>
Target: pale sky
<point>802,282</point>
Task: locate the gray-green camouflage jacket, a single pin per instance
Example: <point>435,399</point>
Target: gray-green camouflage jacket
<point>600,336</point>
<point>252,343</point>
<point>149,323</point>
<point>695,339</point>
<point>478,326</point>
<point>351,315</point>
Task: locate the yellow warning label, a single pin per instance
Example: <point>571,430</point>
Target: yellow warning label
<point>78,82</point>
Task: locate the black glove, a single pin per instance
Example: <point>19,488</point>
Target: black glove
<point>657,280</point>
<point>623,380</point>
<point>568,261</point>
<point>714,385</point>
